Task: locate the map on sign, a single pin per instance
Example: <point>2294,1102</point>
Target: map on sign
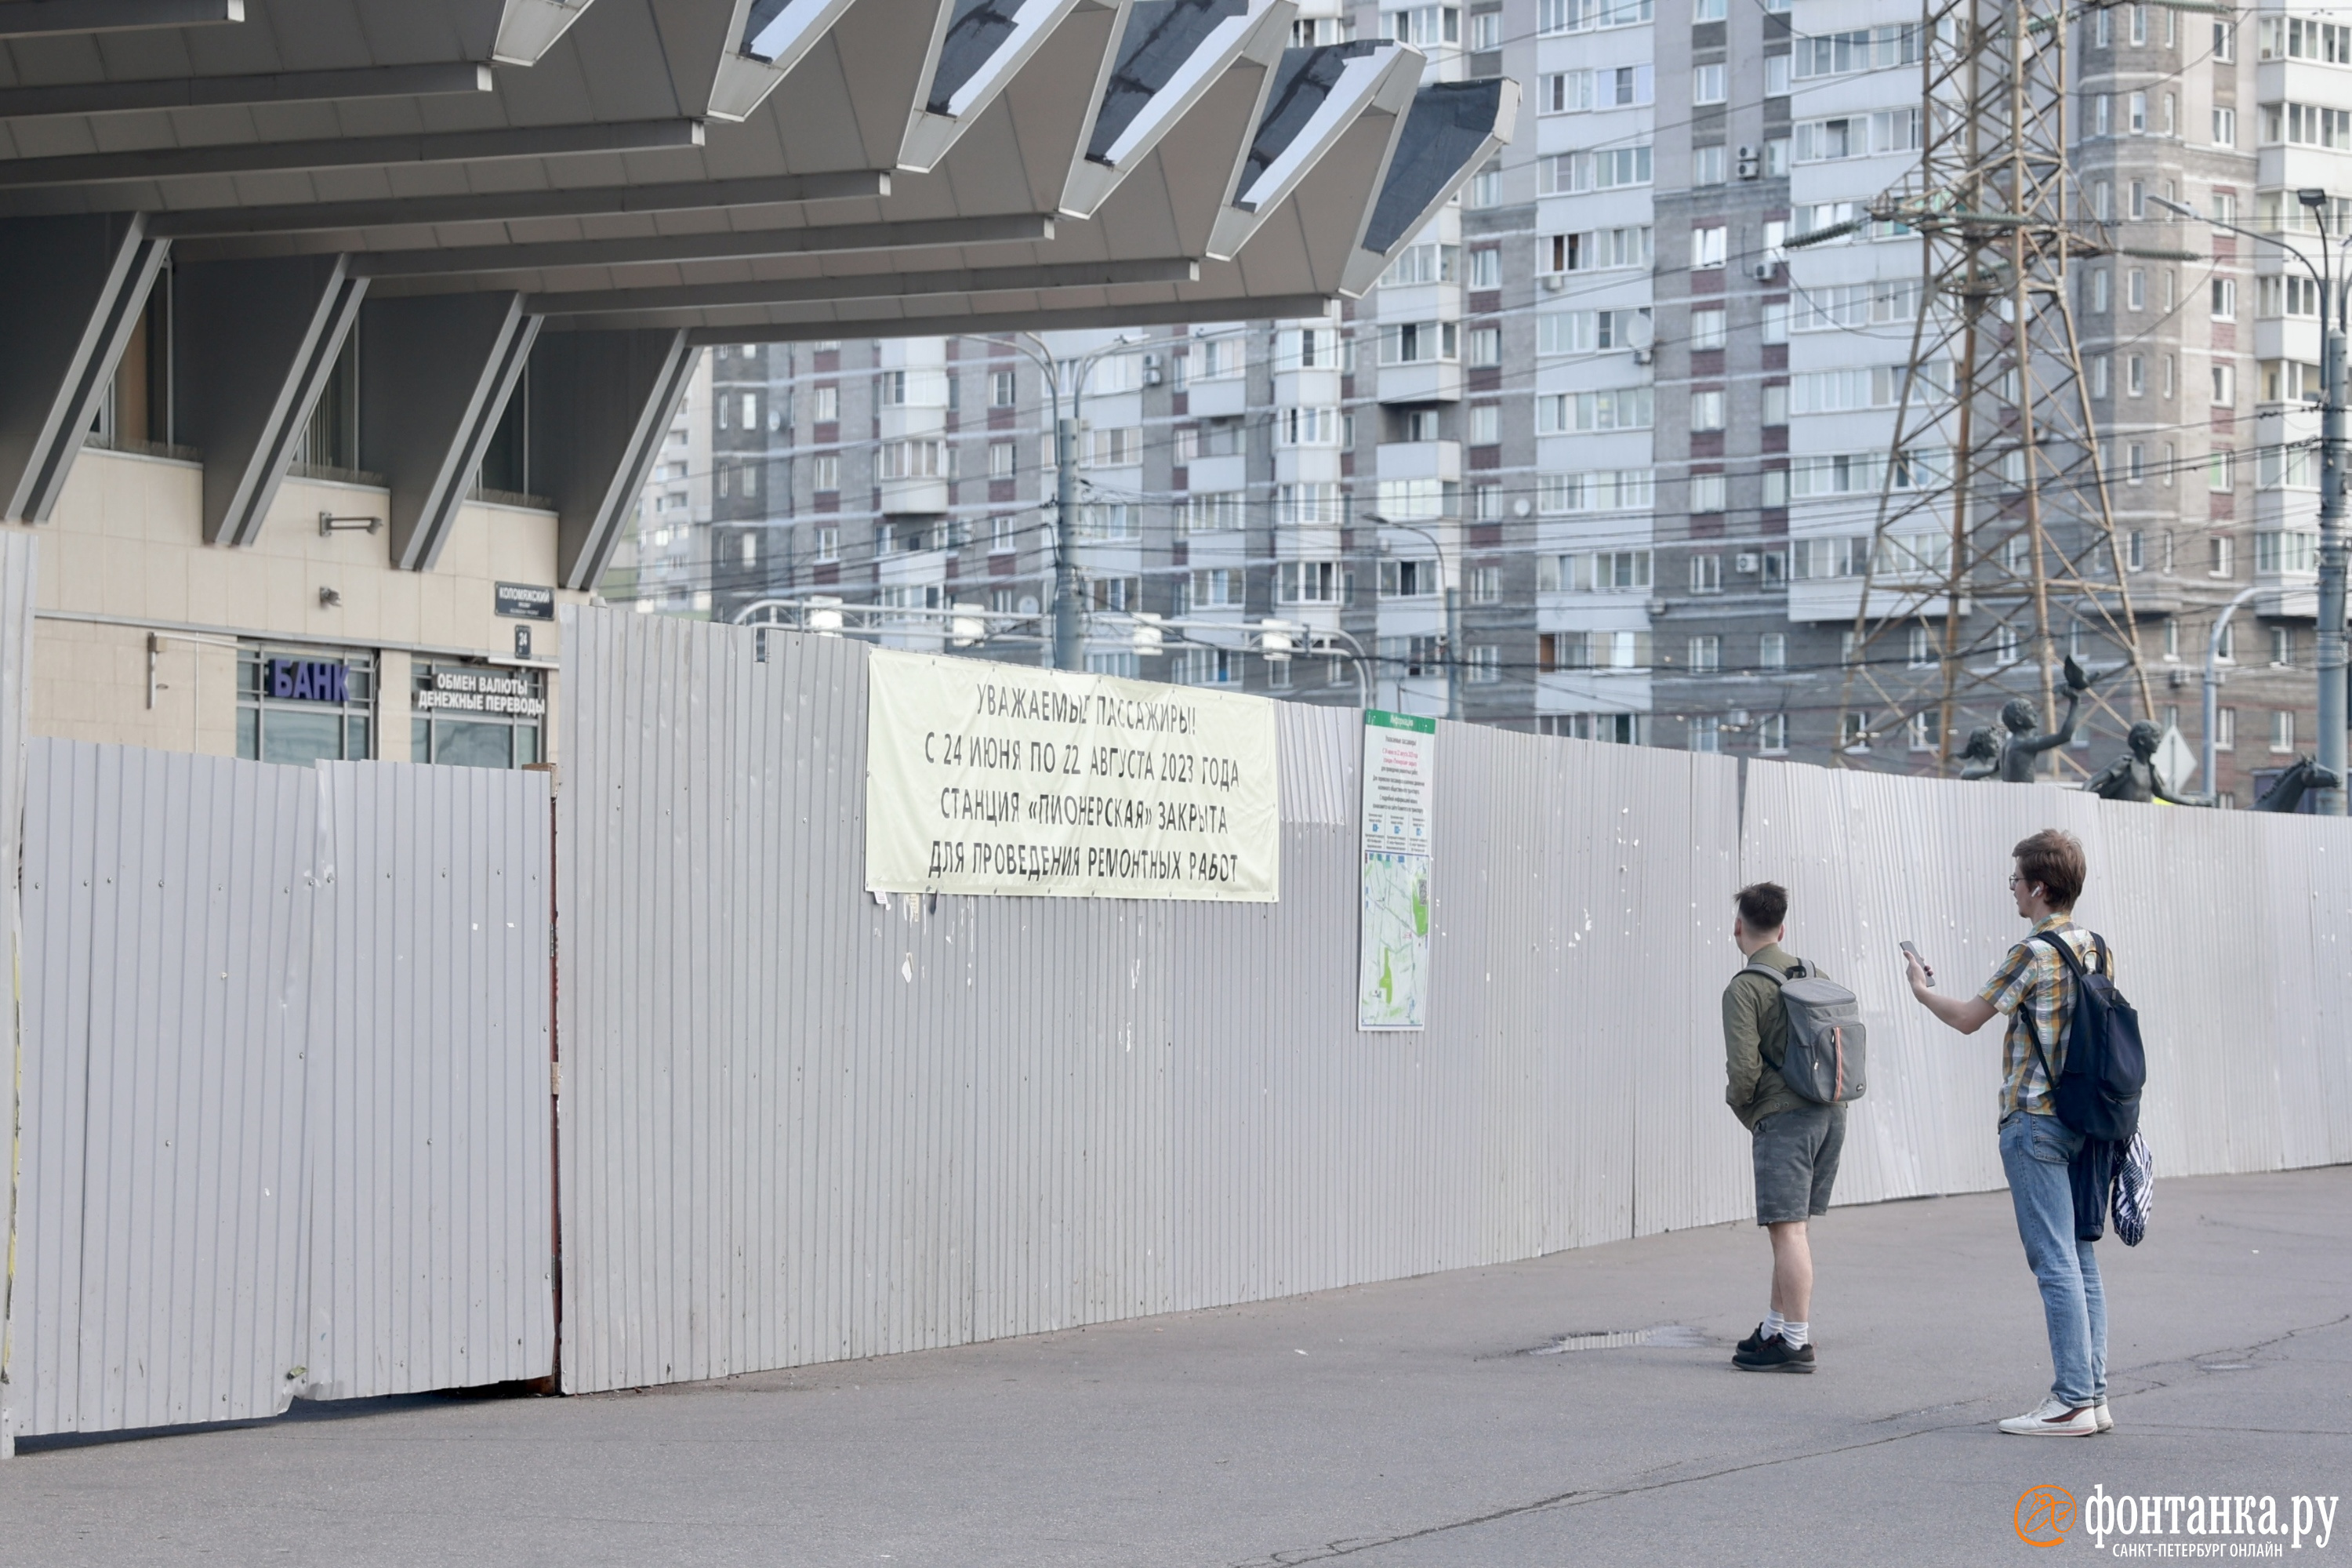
<point>1392,943</point>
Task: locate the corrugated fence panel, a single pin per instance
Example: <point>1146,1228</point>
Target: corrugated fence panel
<point>19,558</point>
<point>2228,931</point>
<point>800,1124</point>
<point>168,904</point>
<point>429,1126</point>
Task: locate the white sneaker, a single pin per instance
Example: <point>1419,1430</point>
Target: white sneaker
<point>2107,1422</point>
<point>2055,1418</point>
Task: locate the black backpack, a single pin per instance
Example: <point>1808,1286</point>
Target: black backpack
<point>2097,1095</point>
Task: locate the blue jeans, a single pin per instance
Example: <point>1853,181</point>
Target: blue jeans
<point>2035,1151</point>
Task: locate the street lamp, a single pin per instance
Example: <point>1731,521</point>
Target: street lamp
<point>2333,309</point>
<point>1452,596</point>
<point>1069,640</point>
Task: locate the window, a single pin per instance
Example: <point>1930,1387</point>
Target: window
<point>2286,551</point>
<point>909,460</point>
<point>1707,330</point>
<point>1591,332</point>
<point>824,404</point>
<point>1706,734</point>
<point>1486,423</point>
<point>1865,48</point>
<point>2282,730</point>
<point>2225,124</point>
<point>1855,136</point>
<point>1576,91</point>
<point>1709,247</point>
<point>1853,732</point>
<point>1486,346</point>
<point>1772,651</point>
<point>1708,83</point>
<point>828,544</point>
<point>2098,286</point>
<point>1583,16</point>
<point>751,411</point>
<point>1423,25</point>
<point>1486,268</point>
<point>1003,389</point>
<point>1003,536</point>
<point>1485,584</point>
<point>1307,427</point>
<point>1417,264</point>
<point>1419,343</point>
<point>824,472</point>
<point>1843,307</point>
<point>1707,165</point>
<point>2221,556</point>
<point>1705,654</point>
<point>1922,648</point>
<point>1630,489</point>
<point>1707,573</point>
<point>2099,369</point>
<point>1487,30</point>
<point>1599,250</point>
<point>2136,289</point>
<point>1568,413</point>
<point>1707,492</point>
<point>1216,588</point>
<point>1706,410</point>
<point>1772,734</point>
<point>476,716</point>
<point>1485,187</point>
<point>2135,377</point>
<point>1210,512</point>
<point>2307,125</point>
<point>1306,505</point>
<point>1484,665</point>
<point>304,705</point>
<point>2136,114</point>
<point>1407,579</point>
<point>1776,73</point>
<point>2281,647</point>
<point>1308,582</point>
<point>2225,730</point>
<point>1000,459</point>
<point>2223,298</point>
<point>2135,460</point>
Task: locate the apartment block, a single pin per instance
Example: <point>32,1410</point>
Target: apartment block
<point>1602,403</point>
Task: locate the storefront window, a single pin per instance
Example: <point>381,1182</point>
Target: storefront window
<point>300,705</point>
<point>478,716</point>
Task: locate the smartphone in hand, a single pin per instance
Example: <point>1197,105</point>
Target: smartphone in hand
<point>1925,966</point>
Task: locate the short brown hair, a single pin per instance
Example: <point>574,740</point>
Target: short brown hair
<point>2053,858</point>
<point>1763,905</point>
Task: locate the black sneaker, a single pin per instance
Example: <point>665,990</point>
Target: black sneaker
<point>1775,1354</point>
<point>1753,1342</point>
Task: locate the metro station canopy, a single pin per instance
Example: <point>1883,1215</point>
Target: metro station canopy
<point>585,192</point>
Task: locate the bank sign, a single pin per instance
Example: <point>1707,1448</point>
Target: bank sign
<point>307,680</point>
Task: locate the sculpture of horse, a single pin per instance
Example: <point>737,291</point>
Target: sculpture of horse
<point>2285,793</point>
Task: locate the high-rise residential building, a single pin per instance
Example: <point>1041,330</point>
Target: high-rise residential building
<point>1602,403</point>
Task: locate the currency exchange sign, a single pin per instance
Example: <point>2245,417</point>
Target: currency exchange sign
<point>1006,779</point>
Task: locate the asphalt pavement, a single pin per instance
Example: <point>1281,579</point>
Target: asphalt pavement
<point>1503,1415</point>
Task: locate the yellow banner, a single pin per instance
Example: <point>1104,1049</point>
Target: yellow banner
<point>1000,778</point>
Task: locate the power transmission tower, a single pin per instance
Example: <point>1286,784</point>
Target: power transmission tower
<point>1994,552</point>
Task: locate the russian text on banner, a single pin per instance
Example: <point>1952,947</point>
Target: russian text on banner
<point>1003,779</point>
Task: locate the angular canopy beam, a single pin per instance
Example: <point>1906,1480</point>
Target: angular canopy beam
<point>71,291</point>
<point>349,152</point>
<point>816,239</point>
<point>37,18</point>
<point>434,376</point>
<point>257,341</point>
<point>276,87</point>
<point>600,404</point>
<point>867,286</point>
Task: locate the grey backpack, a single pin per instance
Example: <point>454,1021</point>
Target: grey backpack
<point>1827,1041</point>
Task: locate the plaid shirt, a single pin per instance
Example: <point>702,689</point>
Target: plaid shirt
<point>2031,987</point>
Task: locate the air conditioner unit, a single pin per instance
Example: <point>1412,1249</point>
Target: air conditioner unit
<point>1744,561</point>
<point>1645,356</point>
<point>1151,370</point>
<point>1555,281</point>
<point>2176,678</point>
<point>1762,271</point>
<point>1749,165</point>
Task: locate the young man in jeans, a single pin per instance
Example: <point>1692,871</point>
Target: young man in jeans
<point>1797,1140</point>
<point>2033,986</point>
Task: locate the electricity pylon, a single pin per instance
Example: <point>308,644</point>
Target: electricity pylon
<point>1995,538</point>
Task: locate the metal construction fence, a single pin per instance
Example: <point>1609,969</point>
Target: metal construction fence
<point>288,1125</point>
<point>801,1123</point>
<point>284,1124</point>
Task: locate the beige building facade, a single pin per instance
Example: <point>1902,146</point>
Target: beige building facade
<point>305,643</point>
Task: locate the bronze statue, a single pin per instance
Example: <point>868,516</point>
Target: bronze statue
<point>1982,759</point>
<point>2021,754</point>
<point>2285,793</point>
<point>2133,775</point>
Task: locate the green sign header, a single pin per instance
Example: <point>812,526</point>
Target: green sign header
<point>1375,719</point>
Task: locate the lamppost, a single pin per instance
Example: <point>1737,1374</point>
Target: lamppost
<point>2334,310</point>
<point>1069,637</point>
<point>2213,685</point>
<point>1452,596</point>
